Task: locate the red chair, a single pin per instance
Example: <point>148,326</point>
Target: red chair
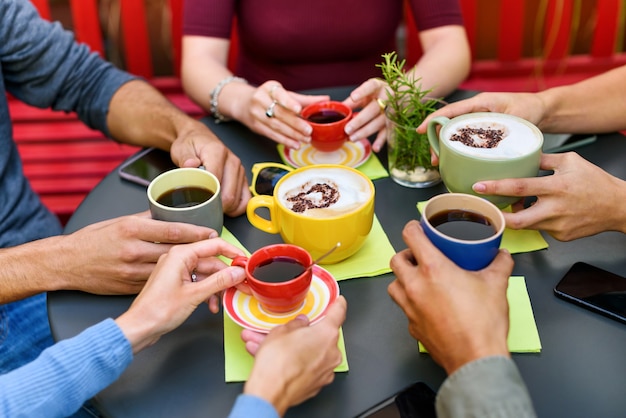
<point>521,46</point>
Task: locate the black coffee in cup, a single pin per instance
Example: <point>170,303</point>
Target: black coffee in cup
<point>184,197</point>
<point>463,224</point>
<point>326,116</point>
<point>278,269</point>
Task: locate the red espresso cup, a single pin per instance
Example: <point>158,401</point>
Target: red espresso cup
<point>278,276</point>
<point>328,120</point>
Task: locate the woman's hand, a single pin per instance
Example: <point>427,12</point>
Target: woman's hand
<point>274,112</point>
<point>371,119</point>
<point>170,295</point>
<point>578,200</point>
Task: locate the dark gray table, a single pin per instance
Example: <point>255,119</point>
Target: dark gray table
<point>581,371</point>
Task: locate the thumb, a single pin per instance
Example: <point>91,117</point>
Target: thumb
<point>218,281</point>
<point>502,266</point>
<point>336,312</point>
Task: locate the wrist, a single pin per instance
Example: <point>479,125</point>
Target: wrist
<point>464,355</point>
<point>138,331</point>
<point>214,106</point>
<point>268,388</point>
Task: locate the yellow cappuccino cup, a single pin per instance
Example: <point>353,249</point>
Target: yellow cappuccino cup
<point>315,207</point>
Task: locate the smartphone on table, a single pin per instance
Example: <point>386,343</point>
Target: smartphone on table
<point>144,166</point>
<point>595,289</point>
<point>414,401</point>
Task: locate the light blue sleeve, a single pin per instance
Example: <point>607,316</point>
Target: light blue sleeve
<point>67,374</point>
<point>247,406</point>
<point>490,387</point>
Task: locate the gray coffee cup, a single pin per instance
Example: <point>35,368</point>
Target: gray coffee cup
<point>190,195</point>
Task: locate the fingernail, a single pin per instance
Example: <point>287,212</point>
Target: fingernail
<point>479,187</point>
<point>302,318</point>
<point>308,130</point>
<point>213,234</point>
<point>348,129</point>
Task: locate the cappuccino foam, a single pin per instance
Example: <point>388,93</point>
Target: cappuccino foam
<point>324,192</point>
<point>492,137</point>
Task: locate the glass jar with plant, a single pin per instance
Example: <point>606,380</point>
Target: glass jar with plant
<point>406,106</point>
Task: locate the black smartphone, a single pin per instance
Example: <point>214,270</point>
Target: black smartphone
<point>415,401</point>
<point>144,166</point>
<point>595,289</point>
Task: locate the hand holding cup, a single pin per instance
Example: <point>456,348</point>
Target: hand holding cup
<point>328,120</point>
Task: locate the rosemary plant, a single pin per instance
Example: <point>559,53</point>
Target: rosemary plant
<point>407,105</point>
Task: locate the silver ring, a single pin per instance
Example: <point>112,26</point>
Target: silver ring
<point>270,110</point>
<point>194,276</point>
<point>272,89</point>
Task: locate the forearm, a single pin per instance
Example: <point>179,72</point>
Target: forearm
<point>67,374</point>
<point>30,269</point>
<point>140,115</point>
<point>445,62</point>
<point>594,105</point>
<point>204,67</point>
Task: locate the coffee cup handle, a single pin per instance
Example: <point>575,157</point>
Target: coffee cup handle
<point>239,261</point>
<point>268,225</point>
<point>433,135</point>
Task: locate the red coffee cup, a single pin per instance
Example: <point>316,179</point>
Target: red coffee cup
<point>278,276</point>
<point>328,120</point>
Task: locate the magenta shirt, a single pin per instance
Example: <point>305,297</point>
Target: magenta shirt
<point>312,44</point>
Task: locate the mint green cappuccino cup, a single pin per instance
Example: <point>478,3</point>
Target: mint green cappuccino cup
<point>485,146</point>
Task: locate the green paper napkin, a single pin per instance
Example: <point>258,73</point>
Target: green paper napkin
<point>523,335</point>
<point>372,168</point>
<point>515,240</point>
<point>231,239</point>
<point>371,260</point>
<point>239,362</point>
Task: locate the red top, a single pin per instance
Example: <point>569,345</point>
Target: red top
<point>312,44</point>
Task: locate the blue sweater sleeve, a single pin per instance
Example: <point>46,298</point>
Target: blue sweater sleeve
<point>42,65</point>
<point>67,374</point>
<point>252,406</point>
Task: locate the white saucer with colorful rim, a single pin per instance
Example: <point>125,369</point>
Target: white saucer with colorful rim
<point>351,154</point>
<point>246,311</point>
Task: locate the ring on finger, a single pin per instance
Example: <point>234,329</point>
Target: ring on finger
<point>270,110</point>
<point>381,105</point>
<point>194,276</point>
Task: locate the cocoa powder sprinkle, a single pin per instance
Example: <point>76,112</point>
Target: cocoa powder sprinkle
<point>303,200</point>
<point>487,138</point>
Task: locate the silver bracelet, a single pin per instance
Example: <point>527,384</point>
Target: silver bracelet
<point>216,92</point>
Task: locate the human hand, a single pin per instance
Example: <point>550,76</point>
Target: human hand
<point>197,145</point>
<point>578,200</point>
<point>458,315</point>
<point>116,256</point>
<point>527,106</point>
<point>169,296</point>
<point>294,361</point>
<point>285,126</point>
<point>371,119</point>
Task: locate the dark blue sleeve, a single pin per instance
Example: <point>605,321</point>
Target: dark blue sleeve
<point>42,65</point>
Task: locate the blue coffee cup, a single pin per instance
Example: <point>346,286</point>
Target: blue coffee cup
<point>467,229</point>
